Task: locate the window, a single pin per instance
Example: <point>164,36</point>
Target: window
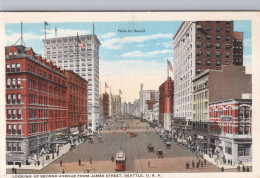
<point>241,112</point>
<point>9,146</point>
<point>227,38</point>
<point>18,67</point>
<point>226,63</point>
<point>208,28</point>
<point>198,53</point>
<point>19,113</point>
<point>198,36</point>
<point>218,38</point>
<point>14,99</point>
<point>244,149</point>
<point>206,94</point>
<point>8,82</point>
<point>218,29</point>
<point>227,30</point>
<point>13,67</point>
<point>19,98</point>
<point>227,55</point>
<point>18,82</point>
<point>208,63</point>
<point>7,67</point>
<point>208,54</point>
<point>218,63</point>
<point>217,54</point>
<point>208,46</point>
<point>208,37</point>
<point>217,46</point>
<point>9,99</point>
<point>18,146</point>
<point>247,129</point>
<point>240,129</point>
<point>83,69</point>
<point>19,131</point>
<point>8,113</point>
<point>198,71</point>
<point>227,22</point>
<point>228,47</point>
<point>13,83</point>
<point>228,148</point>
<point>14,129</point>
<point>198,62</point>
<point>71,65</point>
<point>14,113</point>
<point>247,111</point>
<point>198,44</point>
<point>206,105</point>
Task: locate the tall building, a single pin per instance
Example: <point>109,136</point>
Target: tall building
<point>147,99</point>
<point>116,105</point>
<point>213,86</point>
<point>105,105</point>
<point>36,104</point>
<point>166,103</point>
<point>65,53</point>
<point>77,96</point>
<point>199,46</point>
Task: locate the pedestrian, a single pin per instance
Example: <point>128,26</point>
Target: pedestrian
<point>79,162</point>
<point>198,164</point>
<point>205,161</point>
<point>199,161</point>
<point>60,163</point>
<point>13,170</point>
<point>231,162</point>
<point>38,163</point>
<point>20,165</point>
<point>186,165</point>
<point>192,163</point>
<point>63,172</point>
<point>238,168</point>
<point>148,163</point>
<point>201,164</point>
<point>90,161</point>
<point>228,161</point>
<point>35,163</point>
<point>52,155</point>
<point>247,169</point>
<point>244,168</point>
<point>112,158</point>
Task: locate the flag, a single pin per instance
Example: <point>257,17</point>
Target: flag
<point>106,85</point>
<point>170,65</point>
<point>120,92</point>
<point>79,42</point>
<point>47,25</point>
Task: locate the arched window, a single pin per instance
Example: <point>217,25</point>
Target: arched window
<point>241,112</point>
<point>229,111</point>
<point>247,112</point>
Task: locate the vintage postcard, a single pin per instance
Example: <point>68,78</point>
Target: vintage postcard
<point>129,94</point>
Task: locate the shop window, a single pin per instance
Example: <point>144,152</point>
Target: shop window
<point>244,149</point>
<point>228,148</point>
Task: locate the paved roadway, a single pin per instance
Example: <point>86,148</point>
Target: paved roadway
<point>173,160</point>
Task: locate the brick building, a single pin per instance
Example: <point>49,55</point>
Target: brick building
<point>198,46</point>
<point>105,105</point>
<point>230,132</point>
<point>166,103</point>
<point>213,86</point>
<point>77,99</point>
<point>36,107</point>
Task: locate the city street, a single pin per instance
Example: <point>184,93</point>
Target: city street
<point>137,156</point>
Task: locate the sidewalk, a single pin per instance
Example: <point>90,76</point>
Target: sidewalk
<point>63,150</point>
<point>225,166</point>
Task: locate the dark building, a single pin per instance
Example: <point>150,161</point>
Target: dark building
<point>166,101</point>
<point>105,105</point>
<point>77,95</point>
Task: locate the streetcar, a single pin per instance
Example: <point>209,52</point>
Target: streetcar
<point>125,127</point>
<point>120,160</point>
<point>131,134</point>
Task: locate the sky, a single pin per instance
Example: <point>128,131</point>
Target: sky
<point>131,53</point>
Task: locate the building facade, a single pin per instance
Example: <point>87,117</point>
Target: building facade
<point>147,99</point>
<point>65,53</point>
<point>36,104</point>
<point>77,99</point>
<point>166,104</point>
<point>105,105</point>
<point>199,46</point>
<point>230,129</point>
<point>212,86</point>
<point>116,105</point>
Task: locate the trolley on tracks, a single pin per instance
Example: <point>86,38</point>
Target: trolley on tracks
<point>120,160</point>
<point>131,134</point>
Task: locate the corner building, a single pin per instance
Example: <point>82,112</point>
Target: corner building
<point>198,46</point>
<point>65,53</point>
<point>36,104</point>
<point>77,99</point>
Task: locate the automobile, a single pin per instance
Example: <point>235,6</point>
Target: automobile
<point>159,153</point>
<point>168,145</point>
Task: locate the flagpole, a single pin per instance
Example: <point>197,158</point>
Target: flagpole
<point>167,69</point>
<point>105,88</point>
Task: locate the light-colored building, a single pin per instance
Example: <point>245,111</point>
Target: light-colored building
<point>147,99</point>
<point>156,113</point>
<point>64,52</point>
<point>116,105</point>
